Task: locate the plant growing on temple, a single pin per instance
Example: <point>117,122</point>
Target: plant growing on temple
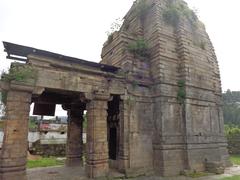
<point>131,101</point>
<point>200,44</point>
<point>176,10</point>
<point>115,26</point>
<point>181,94</point>
<point>3,101</point>
<point>140,48</point>
<point>141,8</point>
<point>203,45</point>
<point>18,73</point>
<point>134,84</point>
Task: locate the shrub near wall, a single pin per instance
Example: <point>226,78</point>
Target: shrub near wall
<point>48,149</point>
<point>233,136</point>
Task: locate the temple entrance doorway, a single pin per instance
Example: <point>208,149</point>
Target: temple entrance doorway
<point>113,134</point>
<point>45,105</point>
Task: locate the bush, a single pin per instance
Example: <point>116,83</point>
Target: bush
<point>141,8</point>
<point>232,131</point>
<point>172,15</point>
<point>115,26</point>
<point>176,10</point>
<point>139,47</point>
<point>110,38</point>
<point>18,73</point>
<point>235,159</point>
<point>181,95</point>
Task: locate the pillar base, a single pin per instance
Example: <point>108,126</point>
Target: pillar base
<point>122,165</point>
<point>97,170</point>
<point>20,175</point>
<point>70,162</point>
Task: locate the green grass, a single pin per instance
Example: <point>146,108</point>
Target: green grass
<point>231,178</point>
<point>235,159</point>
<point>44,162</point>
<point>1,124</point>
<point>197,174</point>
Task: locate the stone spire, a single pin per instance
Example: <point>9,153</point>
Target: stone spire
<point>164,47</point>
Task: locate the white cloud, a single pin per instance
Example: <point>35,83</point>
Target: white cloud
<point>77,28</point>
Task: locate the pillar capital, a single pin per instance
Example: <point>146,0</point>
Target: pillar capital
<point>21,87</point>
<point>74,106</point>
<point>102,95</point>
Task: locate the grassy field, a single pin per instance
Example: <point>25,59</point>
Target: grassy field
<point>44,162</point>
<point>197,174</point>
<point>231,178</point>
<point>235,159</point>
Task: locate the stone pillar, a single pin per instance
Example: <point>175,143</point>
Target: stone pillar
<point>97,145</point>
<point>124,138</point>
<point>74,147</point>
<point>15,142</point>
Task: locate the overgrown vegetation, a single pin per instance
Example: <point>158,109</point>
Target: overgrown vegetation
<point>235,159</point>
<point>181,95</point>
<point>115,26</point>
<point>131,101</point>
<point>232,131</point>
<point>201,44</point>
<point>176,10</point>
<point>231,113</point>
<point>44,162</point>
<point>1,125</point>
<point>231,108</point>
<point>19,73</point>
<point>134,84</point>
<point>32,123</point>
<point>141,8</point>
<point>3,101</point>
<point>139,48</point>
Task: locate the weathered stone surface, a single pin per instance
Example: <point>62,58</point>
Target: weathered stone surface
<point>215,167</point>
<point>14,150</point>
<point>165,114</point>
<point>74,147</point>
<point>234,144</point>
<point>97,145</point>
<point>181,136</point>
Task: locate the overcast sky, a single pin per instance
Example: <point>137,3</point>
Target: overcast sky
<point>78,28</point>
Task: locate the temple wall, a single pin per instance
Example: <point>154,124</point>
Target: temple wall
<point>184,135</point>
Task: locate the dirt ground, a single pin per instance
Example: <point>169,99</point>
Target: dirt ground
<point>77,173</point>
<point>33,157</point>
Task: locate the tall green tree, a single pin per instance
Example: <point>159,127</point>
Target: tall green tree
<point>231,107</point>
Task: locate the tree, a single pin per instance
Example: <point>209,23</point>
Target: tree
<point>231,107</point>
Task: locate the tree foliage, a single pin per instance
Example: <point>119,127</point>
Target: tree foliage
<point>176,10</point>
<point>140,48</point>
<point>18,73</point>
<point>231,107</point>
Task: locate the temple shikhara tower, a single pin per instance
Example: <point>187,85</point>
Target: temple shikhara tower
<point>153,103</point>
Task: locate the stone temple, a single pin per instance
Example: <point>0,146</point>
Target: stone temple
<point>153,103</point>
